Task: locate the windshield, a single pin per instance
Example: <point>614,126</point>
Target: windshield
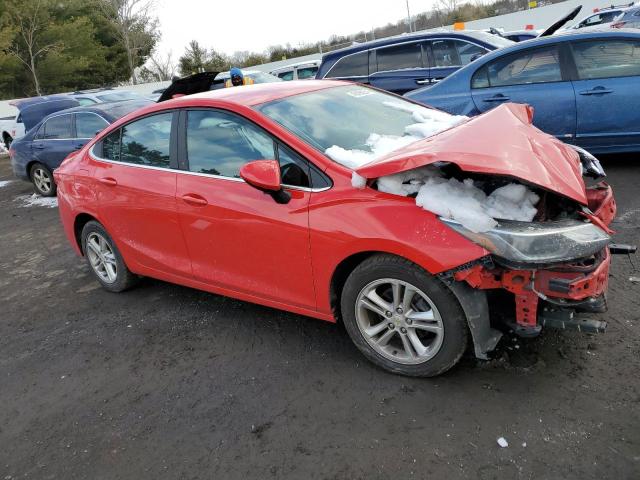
<point>353,124</point>
<point>118,96</point>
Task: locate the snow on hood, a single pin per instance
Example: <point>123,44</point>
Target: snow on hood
<point>501,142</point>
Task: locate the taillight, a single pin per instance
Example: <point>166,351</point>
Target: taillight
<point>618,24</point>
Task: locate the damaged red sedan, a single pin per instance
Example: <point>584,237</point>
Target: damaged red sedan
<point>416,229</point>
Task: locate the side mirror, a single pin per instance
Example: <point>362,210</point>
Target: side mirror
<point>265,176</point>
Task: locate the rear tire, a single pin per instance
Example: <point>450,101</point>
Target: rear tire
<point>42,179</point>
<point>402,318</point>
<point>104,259</point>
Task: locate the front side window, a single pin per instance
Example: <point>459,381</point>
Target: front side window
<point>468,52</point>
<point>356,65</point>
<point>219,143</point>
<point>607,58</point>
<point>88,125</point>
<point>445,53</point>
<point>399,57</point>
<point>144,142</point>
<point>307,72</point>
<point>58,128</point>
<point>532,66</point>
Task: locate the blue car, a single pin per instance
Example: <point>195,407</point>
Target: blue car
<point>584,87</point>
<point>406,62</point>
<point>36,155</point>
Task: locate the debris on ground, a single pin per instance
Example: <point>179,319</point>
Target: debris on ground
<point>4,183</point>
<point>35,200</point>
<point>503,442</point>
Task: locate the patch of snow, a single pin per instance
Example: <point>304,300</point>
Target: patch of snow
<point>4,183</point>
<point>503,442</point>
<point>428,123</point>
<point>357,181</point>
<point>37,201</point>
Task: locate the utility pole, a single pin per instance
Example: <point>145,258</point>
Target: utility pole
<point>409,16</point>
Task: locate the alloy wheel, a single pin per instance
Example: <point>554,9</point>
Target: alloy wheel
<point>42,180</point>
<point>101,257</point>
<point>399,321</point>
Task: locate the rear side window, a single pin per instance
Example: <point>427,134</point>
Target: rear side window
<point>356,65</point>
<point>88,124</point>
<point>528,67</point>
<point>399,57</point>
<point>143,142</point>
<point>58,128</point>
<point>607,58</point>
<point>220,143</point>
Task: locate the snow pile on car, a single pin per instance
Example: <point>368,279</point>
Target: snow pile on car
<point>462,201</point>
<point>428,123</point>
<point>450,198</point>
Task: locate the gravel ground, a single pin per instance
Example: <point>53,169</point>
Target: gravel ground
<point>168,382</point>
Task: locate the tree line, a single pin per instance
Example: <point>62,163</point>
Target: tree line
<point>50,46</point>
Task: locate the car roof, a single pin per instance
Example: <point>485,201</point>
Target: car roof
<point>298,64</point>
<point>110,111</point>
<point>462,35</point>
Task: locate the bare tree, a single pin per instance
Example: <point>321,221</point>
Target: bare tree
<point>161,67</point>
<point>448,5</point>
<point>30,20</point>
<point>136,27</point>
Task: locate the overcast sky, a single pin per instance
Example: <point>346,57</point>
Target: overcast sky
<point>233,25</point>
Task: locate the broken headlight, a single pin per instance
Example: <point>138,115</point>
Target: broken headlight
<point>538,243</point>
<point>590,165</point>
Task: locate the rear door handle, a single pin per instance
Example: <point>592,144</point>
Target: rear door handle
<point>497,98</point>
<point>436,79</point>
<point>193,199</point>
<point>423,81</point>
<point>596,91</point>
<point>108,181</point>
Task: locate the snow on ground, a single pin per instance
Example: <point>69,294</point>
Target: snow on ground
<point>4,183</point>
<point>448,198</point>
<point>37,201</point>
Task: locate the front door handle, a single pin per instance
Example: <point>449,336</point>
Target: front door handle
<point>497,98</point>
<point>596,91</point>
<point>423,81</point>
<point>108,181</point>
<point>436,79</point>
<point>193,199</point>
<point>39,146</point>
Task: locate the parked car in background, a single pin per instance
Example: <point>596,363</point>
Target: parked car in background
<point>521,35</point>
<point>630,18</point>
<point>601,17</point>
<point>236,192</point>
<point>583,87</point>
<point>104,95</point>
<point>298,71</point>
<point>30,111</point>
<point>37,154</point>
<point>256,75</point>
<point>406,62</point>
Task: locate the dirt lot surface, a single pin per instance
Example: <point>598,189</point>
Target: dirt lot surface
<point>164,382</point>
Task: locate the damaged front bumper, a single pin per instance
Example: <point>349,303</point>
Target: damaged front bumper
<point>555,272</point>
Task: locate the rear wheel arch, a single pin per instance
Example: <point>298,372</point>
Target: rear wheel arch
<point>78,224</point>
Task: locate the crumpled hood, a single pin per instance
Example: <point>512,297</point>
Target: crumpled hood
<point>501,141</point>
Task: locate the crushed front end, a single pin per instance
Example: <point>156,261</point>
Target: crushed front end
<point>555,270</point>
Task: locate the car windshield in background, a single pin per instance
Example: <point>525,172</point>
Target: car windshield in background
<point>346,117</point>
<point>118,96</point>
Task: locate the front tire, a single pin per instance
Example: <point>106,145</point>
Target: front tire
<point>42,180</point>
<point>402,318</point>
<point>104,259</point>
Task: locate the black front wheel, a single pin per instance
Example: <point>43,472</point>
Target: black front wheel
<point>402,318</point>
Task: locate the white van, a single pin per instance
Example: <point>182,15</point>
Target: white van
<point>298,71</point>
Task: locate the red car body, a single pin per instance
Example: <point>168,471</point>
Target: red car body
<point>227,237</point>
